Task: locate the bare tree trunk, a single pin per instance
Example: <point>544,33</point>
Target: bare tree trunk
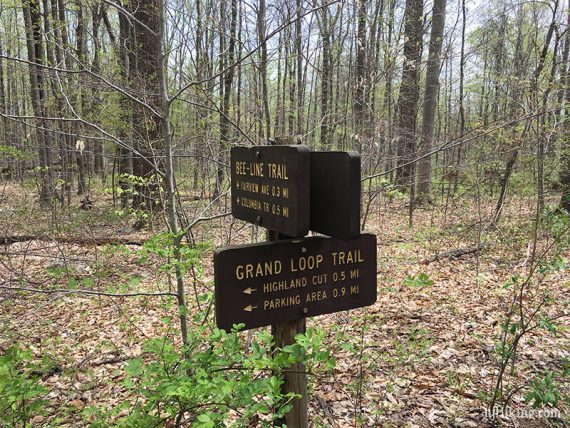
<point>55,59</point>
<point>228,79</point>
<point>565,177</point>
<point>337,97</point>
<point>4,136</point>
<point>171,212</point>
<point>544,124</point>
<point>80,145</point>
<point>263,67</point>
<point>326,82</point>
<point>99,160</point>
<point>32,21</point>
<point>461,95</point>
<point>498,69</point>
<point>123,155</point>
<point>564,101</point>
<point>299,54</point>
<point>389,65</point>
<point>377,138</point>
<point>199,113</point>
<point>409,91</point>
<point>292,89</point>
<point>144,78</point>
<point>278,126</point>
<point>360,82</point>
<point>431,96</point>
<point>563,91</point>
<point>67,143</point>
<point>516,89</point>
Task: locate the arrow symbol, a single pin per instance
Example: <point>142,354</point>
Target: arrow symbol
<point>249,290</point>
<point>238,200</point>
<point>249,308</point>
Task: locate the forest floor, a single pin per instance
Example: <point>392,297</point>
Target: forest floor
<point>424,355</point>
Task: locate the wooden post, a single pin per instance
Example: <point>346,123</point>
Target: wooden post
<point>296,377</point>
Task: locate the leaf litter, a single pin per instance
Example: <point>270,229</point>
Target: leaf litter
<point>421,356</point>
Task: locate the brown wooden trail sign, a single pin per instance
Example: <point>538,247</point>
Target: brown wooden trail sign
<point>281,281</point>
<point>287,189</point>
<point>270,187</point>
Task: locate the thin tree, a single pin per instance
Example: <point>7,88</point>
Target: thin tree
<point>407,107</point>
<point>431,95</point>
<point>325,26</point>
<point>360,82</point>
<point>227,78</point>
<point>123,155</point>
<point>263,67</point>
<point>34,37</point>
<point>3,105</point>
<point>564,102</point>
<point>512,159</point>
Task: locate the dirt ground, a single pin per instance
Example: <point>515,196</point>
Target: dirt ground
<point>422,356</point>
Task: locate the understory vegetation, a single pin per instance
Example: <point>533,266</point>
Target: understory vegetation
<point>88,338</point>
<point>117,123</point>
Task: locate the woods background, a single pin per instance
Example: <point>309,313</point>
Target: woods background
<point>435,94</point>
<point>116,121</point>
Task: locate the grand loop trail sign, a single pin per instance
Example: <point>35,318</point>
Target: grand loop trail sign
<point>287,280</point>
<point>288,189</point>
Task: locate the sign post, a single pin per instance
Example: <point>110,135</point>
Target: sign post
<point>294,380</point>
<point>287,190</point>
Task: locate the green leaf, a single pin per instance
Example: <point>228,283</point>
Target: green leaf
<point>72,283</point>
<point>134,281</point>
<point>204,421</point>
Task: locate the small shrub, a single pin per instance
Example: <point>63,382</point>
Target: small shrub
<point>21,396</point>
<point>421,280</point>
<point>213,382</point>
<point>544,392</point>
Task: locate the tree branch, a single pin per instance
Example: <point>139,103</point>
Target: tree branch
<point>88,292</point>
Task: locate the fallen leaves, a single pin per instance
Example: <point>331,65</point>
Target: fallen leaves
<point>420,357</point>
